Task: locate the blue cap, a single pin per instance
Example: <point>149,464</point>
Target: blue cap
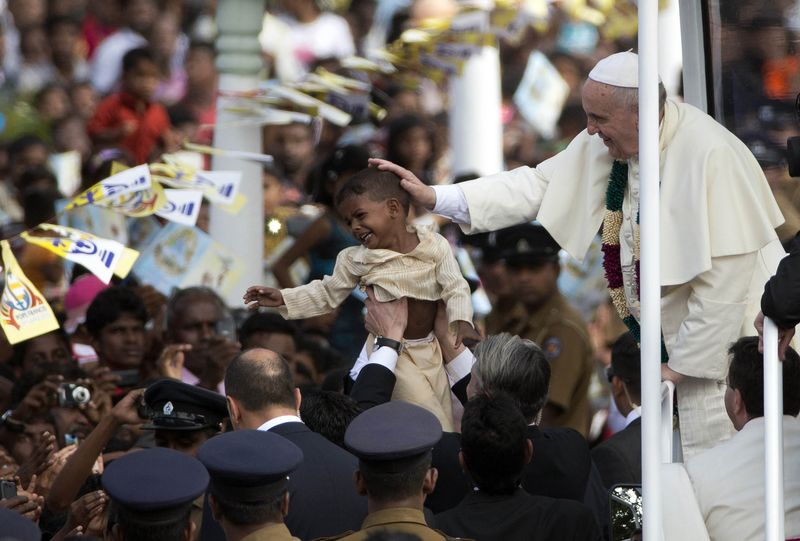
<point>18,528</point>
<point>175,405</point>
<point>155,485</point>
<point>249,465</point>
<point>393,431</point>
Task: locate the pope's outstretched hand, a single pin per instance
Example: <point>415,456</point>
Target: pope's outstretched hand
<point>421,194</point>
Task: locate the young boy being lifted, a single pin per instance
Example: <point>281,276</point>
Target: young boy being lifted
<point>397,260</point>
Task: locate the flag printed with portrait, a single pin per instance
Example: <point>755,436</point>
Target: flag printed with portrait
<point>24,314</point>
<point>102,257</point>
<point>220,187</point>
<point>123,183</point>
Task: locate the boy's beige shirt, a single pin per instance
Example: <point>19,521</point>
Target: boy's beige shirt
<point>429,272</point>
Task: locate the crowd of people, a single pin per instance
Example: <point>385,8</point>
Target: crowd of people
<point>496,403</point>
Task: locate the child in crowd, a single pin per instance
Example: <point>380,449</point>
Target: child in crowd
<point>396,260</point>
<point>129,118</point>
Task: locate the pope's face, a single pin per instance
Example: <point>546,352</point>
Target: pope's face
<point>615,123</point>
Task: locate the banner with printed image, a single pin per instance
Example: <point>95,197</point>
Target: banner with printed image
<point>24,314</point>
<point>181,206</point>
<point>123,183</point>
<point>102,257</point>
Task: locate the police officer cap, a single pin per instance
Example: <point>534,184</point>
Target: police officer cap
<point>175,405</point>
<point>393,431</point>
<point>249,465</point>
<point>526,244</point>
<point>15,527</point>
<point>155,485</point>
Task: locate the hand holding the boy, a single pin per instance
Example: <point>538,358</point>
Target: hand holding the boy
<point>465,332</point>
<point>421,193</point>
<point>268,297</point>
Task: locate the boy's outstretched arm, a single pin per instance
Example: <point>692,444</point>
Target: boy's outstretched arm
<point>268,297</point>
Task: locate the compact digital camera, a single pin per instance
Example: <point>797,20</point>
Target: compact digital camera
<point>73,394</point>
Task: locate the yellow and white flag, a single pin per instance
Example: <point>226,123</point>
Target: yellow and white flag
<point>24,313</point>
<point>182,206</point>
<point>102,257</point>
<point>123,183</point>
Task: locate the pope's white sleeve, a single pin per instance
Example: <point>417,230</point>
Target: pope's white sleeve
<point>717,307</point>
<point>451,203</point>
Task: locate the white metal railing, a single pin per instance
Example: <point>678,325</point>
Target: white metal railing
<point>773,435</point>
<point>667,405</point>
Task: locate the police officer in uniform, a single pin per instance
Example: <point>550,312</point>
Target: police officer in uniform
<point>249,493</point>
<point>183,417</point>
<point>543,315</point>
<point>393,442</point>
<point>151,494</point>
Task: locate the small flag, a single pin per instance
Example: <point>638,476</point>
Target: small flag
<point>102,257</point>
<point>182,206</point>
<point>123,183</point>
<point>24,314</point>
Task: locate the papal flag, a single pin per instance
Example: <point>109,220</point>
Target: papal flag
<point>102,257</point>
<point>24,313</point>
<point>125,182</point>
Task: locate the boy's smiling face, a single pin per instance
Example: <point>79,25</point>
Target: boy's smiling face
<point>373,223</point>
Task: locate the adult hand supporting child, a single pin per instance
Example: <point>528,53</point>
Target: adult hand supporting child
<point>388,319</point>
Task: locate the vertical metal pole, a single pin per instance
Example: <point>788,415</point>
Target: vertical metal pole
<point>650,269</point>
<point>773,435</point>
<point>476,131</point>
<point>240,64</point>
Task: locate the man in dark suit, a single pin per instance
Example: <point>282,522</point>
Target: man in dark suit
<point>619,459</point>
<point>494,451</point>
<point>562,465</point>
<point>261,395</point>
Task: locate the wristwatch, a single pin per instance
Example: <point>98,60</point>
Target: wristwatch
<point>7,421</point>
<point>382,341</point>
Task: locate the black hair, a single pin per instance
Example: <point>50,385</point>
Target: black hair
<point>266,322</point>
<point>181,114</point>
<point>28,380</point>
<point>401,125</point>
<point>260,382</point>
<point>746,374</point>
<point>23,143</point>
<point>250,513</point>
<point>347,159</point>
<point>328,413</point>
<point>626,363</point>
<point>324,356</point>
<point>493,440</point>
<point>39,206</point>
<point>134,527</point>
<point>375,184</point>
<point>111,304</point>
<point>392,480</point>
<point>20,349</point>
<point>334,380</point>
<point>136,56</point>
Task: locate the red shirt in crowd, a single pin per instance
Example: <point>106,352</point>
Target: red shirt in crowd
<point>150,121</point>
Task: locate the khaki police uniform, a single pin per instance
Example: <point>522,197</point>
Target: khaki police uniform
<point>399,519</point>
<point>273,532</point>
<point>561,333</point>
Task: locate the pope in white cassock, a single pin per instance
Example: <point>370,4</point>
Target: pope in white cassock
<point>718,219</point>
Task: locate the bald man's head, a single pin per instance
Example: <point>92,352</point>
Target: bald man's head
<point>258,379</point>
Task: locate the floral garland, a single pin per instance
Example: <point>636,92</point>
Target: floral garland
<point>612,224</point>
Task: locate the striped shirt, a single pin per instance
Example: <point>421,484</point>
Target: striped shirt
<point>429,272</point>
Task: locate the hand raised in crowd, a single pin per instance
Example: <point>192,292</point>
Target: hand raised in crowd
<point>126,412</point>
<point>87,513</point>
<point>100,403</point>
<point>213,356</point>
<point>103,378</point>
<point>39,460</point>
<point>59,458</point>
<point>784,336</point>
<point>421,193</point>
<point>268,297</point>
<point>387,319</point>
<point>39,399</point>
<point>170,362</point>
<point>29,503</point>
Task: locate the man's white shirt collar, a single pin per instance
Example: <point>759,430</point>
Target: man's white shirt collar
<point>282,419</point>
<point>633,415</point>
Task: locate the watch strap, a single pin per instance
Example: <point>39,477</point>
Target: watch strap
<point>382,341</point>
